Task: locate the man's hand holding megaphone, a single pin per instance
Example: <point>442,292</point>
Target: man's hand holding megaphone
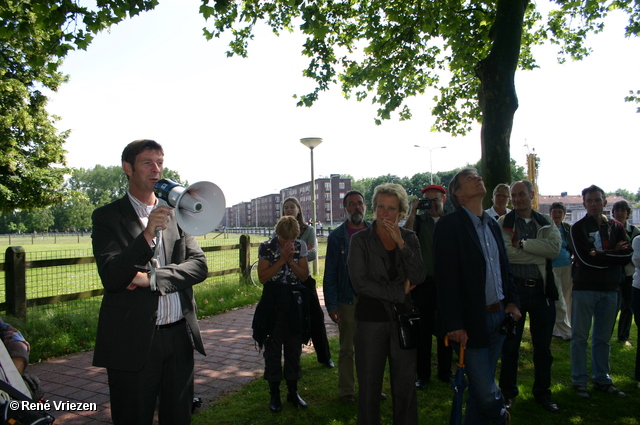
<point>158,219</point>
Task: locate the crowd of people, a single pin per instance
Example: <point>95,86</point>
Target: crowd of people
<point>467,273</point>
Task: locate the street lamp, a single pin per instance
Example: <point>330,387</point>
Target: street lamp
<point>312,142</point>
<point>430,162</point>
<point>331,177</point>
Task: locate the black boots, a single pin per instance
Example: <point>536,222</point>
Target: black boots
<point>293,396</point>
<point>275,405</point>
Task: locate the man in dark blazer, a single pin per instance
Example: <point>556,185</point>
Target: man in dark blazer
<point>475,290</point>
<point>146,337</point>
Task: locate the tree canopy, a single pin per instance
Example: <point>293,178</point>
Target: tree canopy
<point>390,50</point>
<point>382,50</point>
<point>34,38</point>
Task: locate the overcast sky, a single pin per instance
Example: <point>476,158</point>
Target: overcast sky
<point>234,122</point>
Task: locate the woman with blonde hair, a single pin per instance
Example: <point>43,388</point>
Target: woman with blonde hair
<point>384,265</point>
<point>318,332</point>
<point>281,318</point>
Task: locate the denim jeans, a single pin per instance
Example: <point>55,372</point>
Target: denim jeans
<point>485,403</point>
<point>601,306</point>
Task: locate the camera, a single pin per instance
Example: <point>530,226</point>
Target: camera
<point>424,204</point>
<point>508,326</point>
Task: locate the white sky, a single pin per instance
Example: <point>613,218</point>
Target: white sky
<point>233,121</point>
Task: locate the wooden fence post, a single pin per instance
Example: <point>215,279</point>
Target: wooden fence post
<point>16,282</point>
<point>245,255</point>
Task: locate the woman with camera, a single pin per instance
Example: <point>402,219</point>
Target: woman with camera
<point>384,265</point>
<point>281,317</point>
<point>318,332</point>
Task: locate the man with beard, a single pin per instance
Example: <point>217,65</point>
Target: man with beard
<point>339,297</point>
<point>423,218</point>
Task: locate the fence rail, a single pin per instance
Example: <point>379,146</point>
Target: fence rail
<point>52,279</point>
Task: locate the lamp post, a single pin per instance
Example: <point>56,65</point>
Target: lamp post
<point>430,162</point>
<point>311,143</point>
<point>331,177</point>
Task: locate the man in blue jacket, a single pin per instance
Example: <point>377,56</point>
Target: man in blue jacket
<point>338,293</point>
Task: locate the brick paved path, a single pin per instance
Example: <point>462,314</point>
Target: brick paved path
<point>232,361</point>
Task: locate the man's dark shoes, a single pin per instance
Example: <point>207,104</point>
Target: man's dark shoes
<point>348,399</point>
<point>330,364</point>
<point>582,391</point>
<point>548,405</point>
<point>508,401</point>
<point>421,384</point>
<point>608,388</point>
<point>444,377</point>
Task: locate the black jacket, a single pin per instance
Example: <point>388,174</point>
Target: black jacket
<point>461,276</point>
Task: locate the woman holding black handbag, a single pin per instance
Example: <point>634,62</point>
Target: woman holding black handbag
<point>384,265</point>
<point>318,332</point>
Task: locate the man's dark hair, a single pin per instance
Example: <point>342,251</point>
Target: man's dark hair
<point>134,148</point>
<point>349,193</point>
<point>591,189</point>
<point>558,206</point>
<point>621,205</point>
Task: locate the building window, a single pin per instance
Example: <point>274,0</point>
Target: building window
<point>341,185</point>
<point>327,186</point>
<point>341,195</point>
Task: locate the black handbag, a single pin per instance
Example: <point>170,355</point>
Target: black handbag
<point>408,329</point>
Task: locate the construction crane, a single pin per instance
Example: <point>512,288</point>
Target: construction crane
<point>533,162</point>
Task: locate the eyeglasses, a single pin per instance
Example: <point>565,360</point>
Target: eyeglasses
<point>499,195</point>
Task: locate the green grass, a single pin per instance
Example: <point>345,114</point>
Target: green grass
<point>319,387</point>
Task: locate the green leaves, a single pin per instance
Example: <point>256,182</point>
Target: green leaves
<point>396,49</point>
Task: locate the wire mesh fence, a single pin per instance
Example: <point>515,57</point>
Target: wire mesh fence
<point>59,280</point>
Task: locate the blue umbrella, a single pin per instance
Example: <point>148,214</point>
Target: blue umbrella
<point>459,384</point>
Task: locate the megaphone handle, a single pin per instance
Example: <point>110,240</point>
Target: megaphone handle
<point>154,262</point>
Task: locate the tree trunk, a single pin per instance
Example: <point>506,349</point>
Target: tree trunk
<point>498,99</point>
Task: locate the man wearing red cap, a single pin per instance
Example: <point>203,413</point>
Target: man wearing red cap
<point>424,215</point>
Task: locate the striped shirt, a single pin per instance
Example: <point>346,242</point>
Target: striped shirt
<point>169,307</point>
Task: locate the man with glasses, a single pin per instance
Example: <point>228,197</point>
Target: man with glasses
<point>425,213</point>
<point>338,293</point>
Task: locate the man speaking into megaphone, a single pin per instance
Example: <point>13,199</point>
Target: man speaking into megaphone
<point>146,337</point>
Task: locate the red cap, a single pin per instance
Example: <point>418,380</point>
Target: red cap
<point>435,187</point>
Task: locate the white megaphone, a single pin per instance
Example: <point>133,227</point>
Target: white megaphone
<point>198,208</point>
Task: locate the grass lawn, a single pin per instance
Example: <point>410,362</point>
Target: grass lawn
<point>319,388</point>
